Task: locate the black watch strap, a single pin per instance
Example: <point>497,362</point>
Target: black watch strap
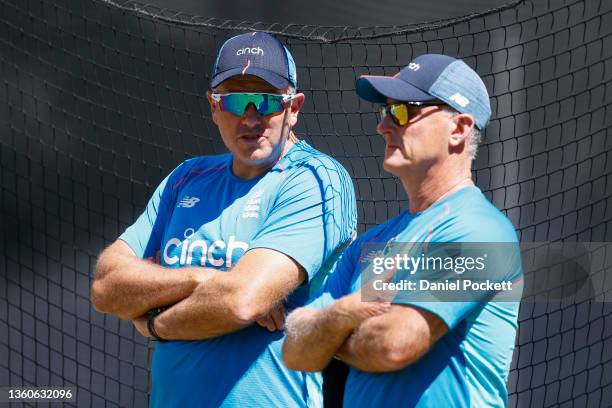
<point>151,315</point>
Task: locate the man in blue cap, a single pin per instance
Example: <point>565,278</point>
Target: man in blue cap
<point>402,350</point>
<point>237,238</point>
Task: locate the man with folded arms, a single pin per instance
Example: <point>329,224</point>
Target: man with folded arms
<point>238,236</point>
<point>403,351</point>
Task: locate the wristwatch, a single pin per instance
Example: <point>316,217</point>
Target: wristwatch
<point>151,315</point>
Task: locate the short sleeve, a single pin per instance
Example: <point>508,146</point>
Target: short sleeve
<point>340,281</point>
<point>145,235</point>
<point>313,216</point>
<point>498,240</point>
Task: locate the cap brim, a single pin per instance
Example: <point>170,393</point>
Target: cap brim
<point>378,88</point>
<point>273,79</point>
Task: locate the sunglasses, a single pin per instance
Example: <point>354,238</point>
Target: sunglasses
<point>400,112</point>
<point>265,103</point>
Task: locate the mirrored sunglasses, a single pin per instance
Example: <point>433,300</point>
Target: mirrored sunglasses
<point>264,103</point>
<point>399,112</point>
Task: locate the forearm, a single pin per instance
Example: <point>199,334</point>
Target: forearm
<point>226,301</point>
<point>392,341</point>
<point>367,348</point>
<point>128,286</point>
<point>312,337</point>
<point>210,311</point>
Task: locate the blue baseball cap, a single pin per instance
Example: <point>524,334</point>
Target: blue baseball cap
<point>257,54</point>
<point>431,77</point>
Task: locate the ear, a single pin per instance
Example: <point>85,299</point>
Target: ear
<point>461,127</point>
<point>213,106</point>
<point>294,108</point>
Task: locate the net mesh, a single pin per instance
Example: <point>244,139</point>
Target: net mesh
<point>100,100</point>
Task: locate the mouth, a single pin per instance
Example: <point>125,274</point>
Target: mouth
<point>250,139</point>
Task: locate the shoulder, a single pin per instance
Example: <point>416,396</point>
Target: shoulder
<point>198,166</point>
<point>472,217</point>
<point>383,232</point>
<point>206,163</point>
<point>304,161</point>
<point>373,240</point>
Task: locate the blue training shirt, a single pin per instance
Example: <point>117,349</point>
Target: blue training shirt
<point>202,214</point>
<point>468,366</point>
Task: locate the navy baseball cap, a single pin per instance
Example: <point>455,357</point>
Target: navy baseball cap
<point>257,54</point>
<point>428,78</point>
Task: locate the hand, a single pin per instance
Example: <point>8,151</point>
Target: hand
<point>140,323</point>
<point>274,320</point>
<point>353,310</point>
<point>369,292</point>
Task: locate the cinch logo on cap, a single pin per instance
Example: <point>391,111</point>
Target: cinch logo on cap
<point>274,64</point>
<point>252,51</point>
<point>414,66</point>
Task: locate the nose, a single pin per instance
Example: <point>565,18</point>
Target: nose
<point>386,127</point>
<point>251,117</point>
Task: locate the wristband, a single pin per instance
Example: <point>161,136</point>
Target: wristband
<point>151,315</point>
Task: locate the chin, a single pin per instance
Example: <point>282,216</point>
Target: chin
<point>258,158</point>
<point>391,166</point>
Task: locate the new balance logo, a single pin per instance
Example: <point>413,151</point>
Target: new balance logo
<point>252,51</point>
<point>460,99</point>
<point>188,202</point>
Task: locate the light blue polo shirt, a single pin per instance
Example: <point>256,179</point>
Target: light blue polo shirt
<point>468,366</point>
<point>202,214</point>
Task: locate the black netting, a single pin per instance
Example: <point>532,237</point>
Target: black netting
<point>98,101</point>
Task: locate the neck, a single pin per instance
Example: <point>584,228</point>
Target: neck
<point>434,186</point>
<point>249,172</point>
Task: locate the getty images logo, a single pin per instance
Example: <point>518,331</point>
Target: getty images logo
<point>216,253</point>
<point>251,51</point>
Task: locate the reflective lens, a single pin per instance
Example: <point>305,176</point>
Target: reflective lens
<point>398,112</point>
<point>265,103</point>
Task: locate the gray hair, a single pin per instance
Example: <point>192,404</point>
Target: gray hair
<point>474,139</point>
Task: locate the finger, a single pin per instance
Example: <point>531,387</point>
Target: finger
<point>267,323</point>
<point>388,275</point>
<point>278,317</point>
<point>369,293</point>
<point>379,290</point>
<point>372,309</point>
<point>271,325</point>
<point>262,322</point>
<point>382,307</point>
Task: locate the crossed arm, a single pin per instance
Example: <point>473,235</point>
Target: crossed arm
<point>205,302</point>
<point>369,336</point>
